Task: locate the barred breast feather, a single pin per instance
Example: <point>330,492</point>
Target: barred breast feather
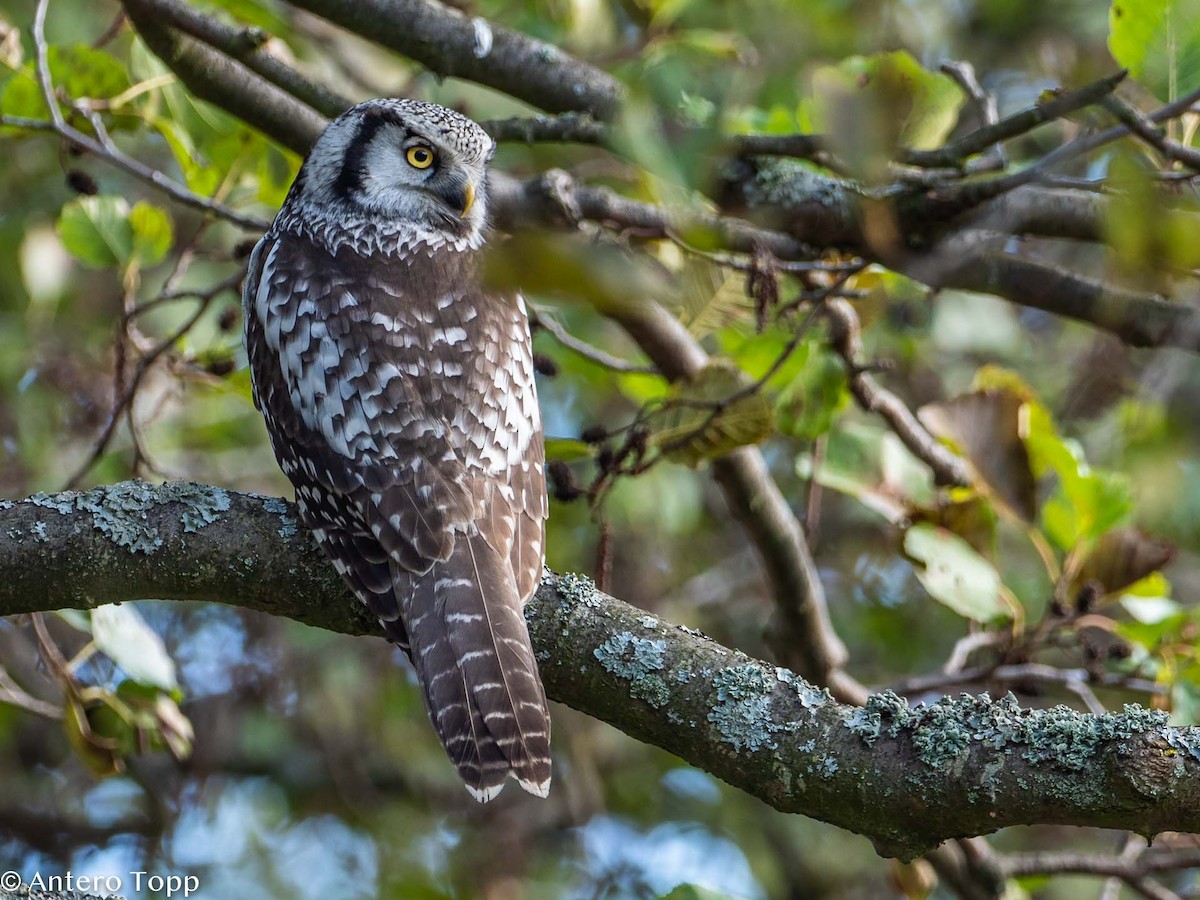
<point>400,401</point>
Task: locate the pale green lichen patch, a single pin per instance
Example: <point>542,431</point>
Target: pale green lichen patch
<point>648,622</point>
<point>39,532</point>
<point>788,183</point>
<point>121,511</point>
<point>1183,741</point>
<point>578,589</point>
<point>636,660</point>
<point>63,503</point>
<point>742,714</point>
<point>6,504</point>
<point>277,507</point>
<point>945,731</point>
<point>202,503</point>
<point>811,697</point>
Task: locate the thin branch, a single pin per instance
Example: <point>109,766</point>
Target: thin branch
<point>986,109</point>
<point>1015,125</point>
<point>12,693</point>
<point>970,194</point>
<point>453,44</point>
<point>576,128</point>
<point>948,467</point>
<point>141,172</point>
<point>1144,128</point>
<point>1133,871</point>
<point>124,401</point>
<point>600,357</point>
<point>41,50</point>
<point>1024,672</point>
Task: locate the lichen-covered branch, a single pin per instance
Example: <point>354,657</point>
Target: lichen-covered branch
<point>907,778</point>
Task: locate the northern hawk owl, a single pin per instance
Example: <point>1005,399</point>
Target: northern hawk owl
<point>399,396</point>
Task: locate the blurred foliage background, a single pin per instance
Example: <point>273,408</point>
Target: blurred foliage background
<point>312,771</point>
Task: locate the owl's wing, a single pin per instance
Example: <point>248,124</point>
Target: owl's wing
<point>398,467</point>
<point>348,413</point>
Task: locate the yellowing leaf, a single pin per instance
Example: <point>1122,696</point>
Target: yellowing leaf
<point>700,424</point>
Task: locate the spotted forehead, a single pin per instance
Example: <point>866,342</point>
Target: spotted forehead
<point>450,127</point>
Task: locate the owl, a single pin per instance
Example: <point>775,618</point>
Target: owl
<point>399,398</point>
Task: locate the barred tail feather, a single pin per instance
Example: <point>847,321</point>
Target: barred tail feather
<point>477,670</point>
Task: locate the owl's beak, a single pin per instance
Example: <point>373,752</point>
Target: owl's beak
<point>468,199</point>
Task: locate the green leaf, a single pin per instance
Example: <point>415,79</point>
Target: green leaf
<point>1159,42</point>
<point>871,465</point>
<point>153,233</point>
<point>955,574</point>
<point>122,634</point>
<point>96,230</point>
<point>76,69</point>
<point>693,428</point>
<point>872,105</point>
<point>692,892</point>
<point>1086,502</point>
<point>568,449</point>
<point>810,386</point>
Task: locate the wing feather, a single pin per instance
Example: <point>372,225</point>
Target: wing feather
<point>401,403</point>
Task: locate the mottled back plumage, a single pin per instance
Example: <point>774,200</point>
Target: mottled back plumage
<point>400,401</point>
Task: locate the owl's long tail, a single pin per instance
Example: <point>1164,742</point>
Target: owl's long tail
<point>476,666</point>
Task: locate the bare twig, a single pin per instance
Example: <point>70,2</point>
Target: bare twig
<point>123,402</point>
<point>947,466</point>
<point>130,166</point>
<point>985,106</point>
<point>970,194</point>
<point>1024,672</point>
<point>1009,127</point>
<point>568,127</point>
<point>1144,128</point>
<point>1133,871</point>
<point>41,51</point>
<point>12,693</point>
<point>600,357</point>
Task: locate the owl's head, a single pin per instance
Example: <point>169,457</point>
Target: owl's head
<point>400,161</point>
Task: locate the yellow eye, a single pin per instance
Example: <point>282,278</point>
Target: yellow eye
<point>419,157</point>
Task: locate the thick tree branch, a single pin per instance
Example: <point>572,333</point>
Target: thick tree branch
<point>907,778</point>
<point>453,44</point>
<point>978,260</point>
<point>219,79</point>
<point>246,46</point>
